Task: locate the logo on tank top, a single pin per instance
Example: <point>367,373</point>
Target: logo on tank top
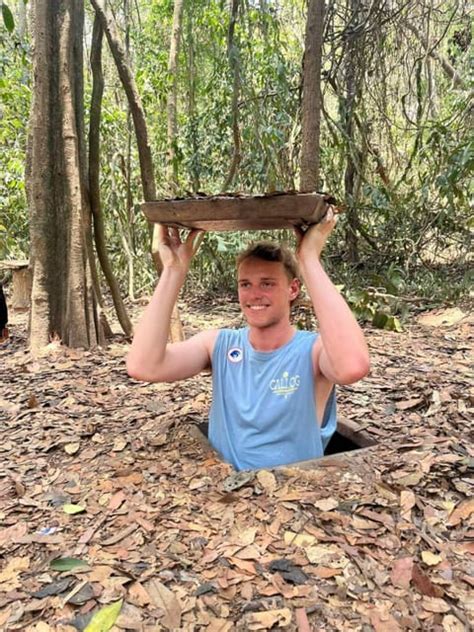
<point>285,385</point>
<point>235,354</point>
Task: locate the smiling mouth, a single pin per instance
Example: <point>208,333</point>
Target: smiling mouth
<point>257,308</point>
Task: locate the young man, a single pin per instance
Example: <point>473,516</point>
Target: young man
<point>273,386</point>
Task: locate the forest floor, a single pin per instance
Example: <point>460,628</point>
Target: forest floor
<point>97,467</point>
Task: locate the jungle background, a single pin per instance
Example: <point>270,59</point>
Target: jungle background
<point>221,87</point>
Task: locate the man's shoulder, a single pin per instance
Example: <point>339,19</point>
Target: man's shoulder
<point>306,337</point>
<point>228,335</point>
<point>307,333</point>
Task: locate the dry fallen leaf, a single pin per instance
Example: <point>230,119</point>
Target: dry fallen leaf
<point>299,539</point>
<point>424,584</point>
<point>8,535</point>
<point>325,572</point>
<point>434,604</point>
<point>247,536</point>
<point>383,621</point>
<point>328,554</point>
<point>452,624</point>
<point>462,512</point>
<point>410,479</point>
<point>302,620</point>
<point>267,480</point>
<point>326,504</point>
<point>409,403</point>
<point>164,598</point>
<point>268,619</point>
<point>219,625</point>
<point>431,559</point>
<point>9,575</point>
<point>407,502</point>
<point>119,444</point>
<point>402,572</point>
<point>130,618</point>
<point>362,523</point>
<point>41,626</point>
<point>138,595</point>
<point>72,448</point>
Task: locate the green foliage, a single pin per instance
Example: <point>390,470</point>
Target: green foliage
<point>410,144</point>
<point>373,305</point>
<point>8,20</point>
<point>15,98</point>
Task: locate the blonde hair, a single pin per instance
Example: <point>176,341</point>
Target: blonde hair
<point>271,251</point>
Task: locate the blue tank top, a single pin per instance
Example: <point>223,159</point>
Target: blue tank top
<point>263,411</point>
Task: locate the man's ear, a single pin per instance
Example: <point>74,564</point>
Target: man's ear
<point>295,287</point>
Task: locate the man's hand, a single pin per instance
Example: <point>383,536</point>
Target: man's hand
<point>173,252</point>
<point>310,243</point>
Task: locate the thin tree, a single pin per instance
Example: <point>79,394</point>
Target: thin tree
<point>311,102</point>
<point>353,73</point>
<point>234,63</point>
<point>172,162</point>
<point>94,172</point>
<point>127,78</point>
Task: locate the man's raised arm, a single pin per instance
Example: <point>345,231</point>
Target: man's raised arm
<point>151,358</point>
<point>343,356</point>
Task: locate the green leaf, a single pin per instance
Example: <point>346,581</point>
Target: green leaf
<point>8,18</point>
<point>105,618</point>
<point>73,509</point>
<point>380,320</point>
<point>393,324</point>
<point>66,563</point>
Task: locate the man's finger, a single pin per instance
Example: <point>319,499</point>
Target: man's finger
<point>195,238</point>
<point>163,232</point>
<point>175,235</point>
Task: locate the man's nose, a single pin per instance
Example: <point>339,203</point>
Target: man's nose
<point>256,292</point>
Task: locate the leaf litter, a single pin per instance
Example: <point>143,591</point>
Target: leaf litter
<point>168,537</point>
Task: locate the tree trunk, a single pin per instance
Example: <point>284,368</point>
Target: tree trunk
<point>172,165</point>
<point>354,70</point>
<point>128,82</point>
<point>63,301</point>
<point>191,67</point>
<point>311,105</point>
<point>94,170</point>
<point>176,329</point>
<point>141,132</point>
<point>234,63</point>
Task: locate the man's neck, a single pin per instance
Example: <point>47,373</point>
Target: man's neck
<point>271,338</point>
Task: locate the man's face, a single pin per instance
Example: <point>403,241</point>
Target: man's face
<point>265,292</point>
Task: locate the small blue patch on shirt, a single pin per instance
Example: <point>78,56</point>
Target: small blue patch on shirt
<point>235,354</point>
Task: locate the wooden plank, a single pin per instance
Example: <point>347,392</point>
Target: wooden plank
<point>14,264</point>
<point>226,212</point>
